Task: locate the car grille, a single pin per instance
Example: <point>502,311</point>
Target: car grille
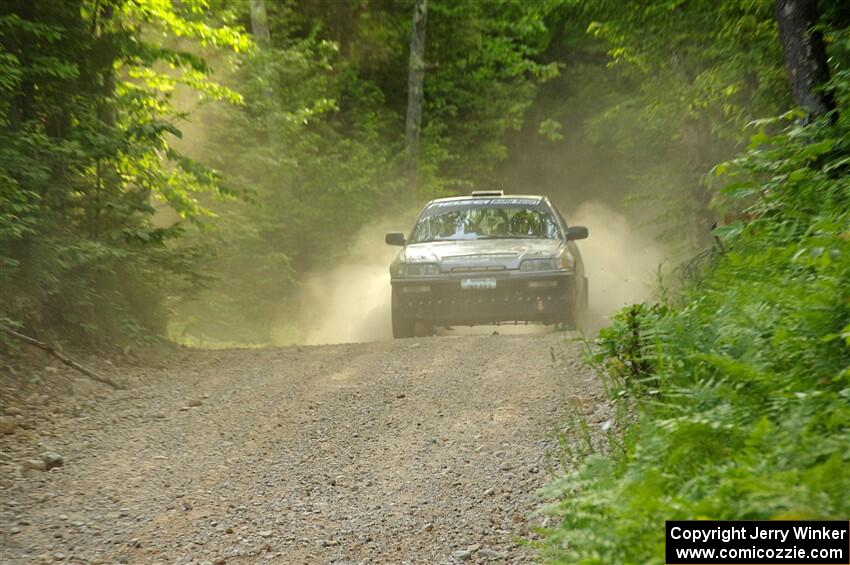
<point>511,300</point>
<point>479,269</point>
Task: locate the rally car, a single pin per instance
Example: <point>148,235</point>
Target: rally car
<point>487,258</point>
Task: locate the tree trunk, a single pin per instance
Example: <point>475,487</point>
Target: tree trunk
<point>416,75</point>
<point>696,139</point>
<point>805,55</point>
<point>262,36</point>
<point>259,22</point>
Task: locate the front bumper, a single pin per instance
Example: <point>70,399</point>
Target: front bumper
<point>517,297</point>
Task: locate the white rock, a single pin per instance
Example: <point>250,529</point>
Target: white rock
<point>52,460</point>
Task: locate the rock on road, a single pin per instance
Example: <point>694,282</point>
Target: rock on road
<point>410,451</point>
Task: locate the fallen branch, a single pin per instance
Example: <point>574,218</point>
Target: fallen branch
<point>61,356</point>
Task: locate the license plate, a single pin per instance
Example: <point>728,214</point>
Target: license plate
<point>478,283</point>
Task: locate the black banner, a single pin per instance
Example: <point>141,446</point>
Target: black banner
<point>695,542</point>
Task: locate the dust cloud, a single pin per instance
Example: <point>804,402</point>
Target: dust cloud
<point>351,302</point>
<point>620,260</point>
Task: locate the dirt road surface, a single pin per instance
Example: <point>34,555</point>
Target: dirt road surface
<point>411,451</point>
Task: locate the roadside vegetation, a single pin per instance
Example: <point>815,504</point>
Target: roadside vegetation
<point>734,389</point>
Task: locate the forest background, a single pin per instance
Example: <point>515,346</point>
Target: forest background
<point>166,172</point>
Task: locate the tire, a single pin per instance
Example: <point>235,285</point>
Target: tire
<point>403,325</point>
<point>568,321</point>
<point>575,310</point>
<point>585,298</point>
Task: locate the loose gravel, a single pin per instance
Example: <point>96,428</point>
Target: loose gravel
<point>424,450</point>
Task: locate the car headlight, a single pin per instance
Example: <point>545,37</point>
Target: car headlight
<point>565,262</point>
<point>550,264</point>
<point>419,269</point>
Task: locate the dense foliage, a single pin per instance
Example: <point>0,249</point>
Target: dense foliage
<point>85,159</point>
<point>650,96</point>
<point>738,390</point>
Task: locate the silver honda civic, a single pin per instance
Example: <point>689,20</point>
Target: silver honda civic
<point>487,258</point>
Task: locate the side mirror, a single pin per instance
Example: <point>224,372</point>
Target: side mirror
<point>577,232</point>
<point>396,238</point>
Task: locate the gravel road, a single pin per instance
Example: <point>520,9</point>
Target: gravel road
<point>410,451</point>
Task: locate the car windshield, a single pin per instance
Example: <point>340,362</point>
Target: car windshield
<point>486,223</point>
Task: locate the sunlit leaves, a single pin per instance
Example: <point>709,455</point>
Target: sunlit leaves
<point>164,15</point>
<point>198,81</point>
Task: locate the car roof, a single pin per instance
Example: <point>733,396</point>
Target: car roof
<point>490,197</point>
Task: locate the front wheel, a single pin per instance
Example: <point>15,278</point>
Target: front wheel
<point>403,325</point>
<point>585,297</point>
<point>568,319</point>
<point>575,310</point>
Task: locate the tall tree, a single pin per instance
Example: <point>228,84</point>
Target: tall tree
<point>805,55</point>
<point>416,76</point>
<point>262,37</point>
<point>259,22</point>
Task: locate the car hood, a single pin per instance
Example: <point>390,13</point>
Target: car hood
<point>480,253</point>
